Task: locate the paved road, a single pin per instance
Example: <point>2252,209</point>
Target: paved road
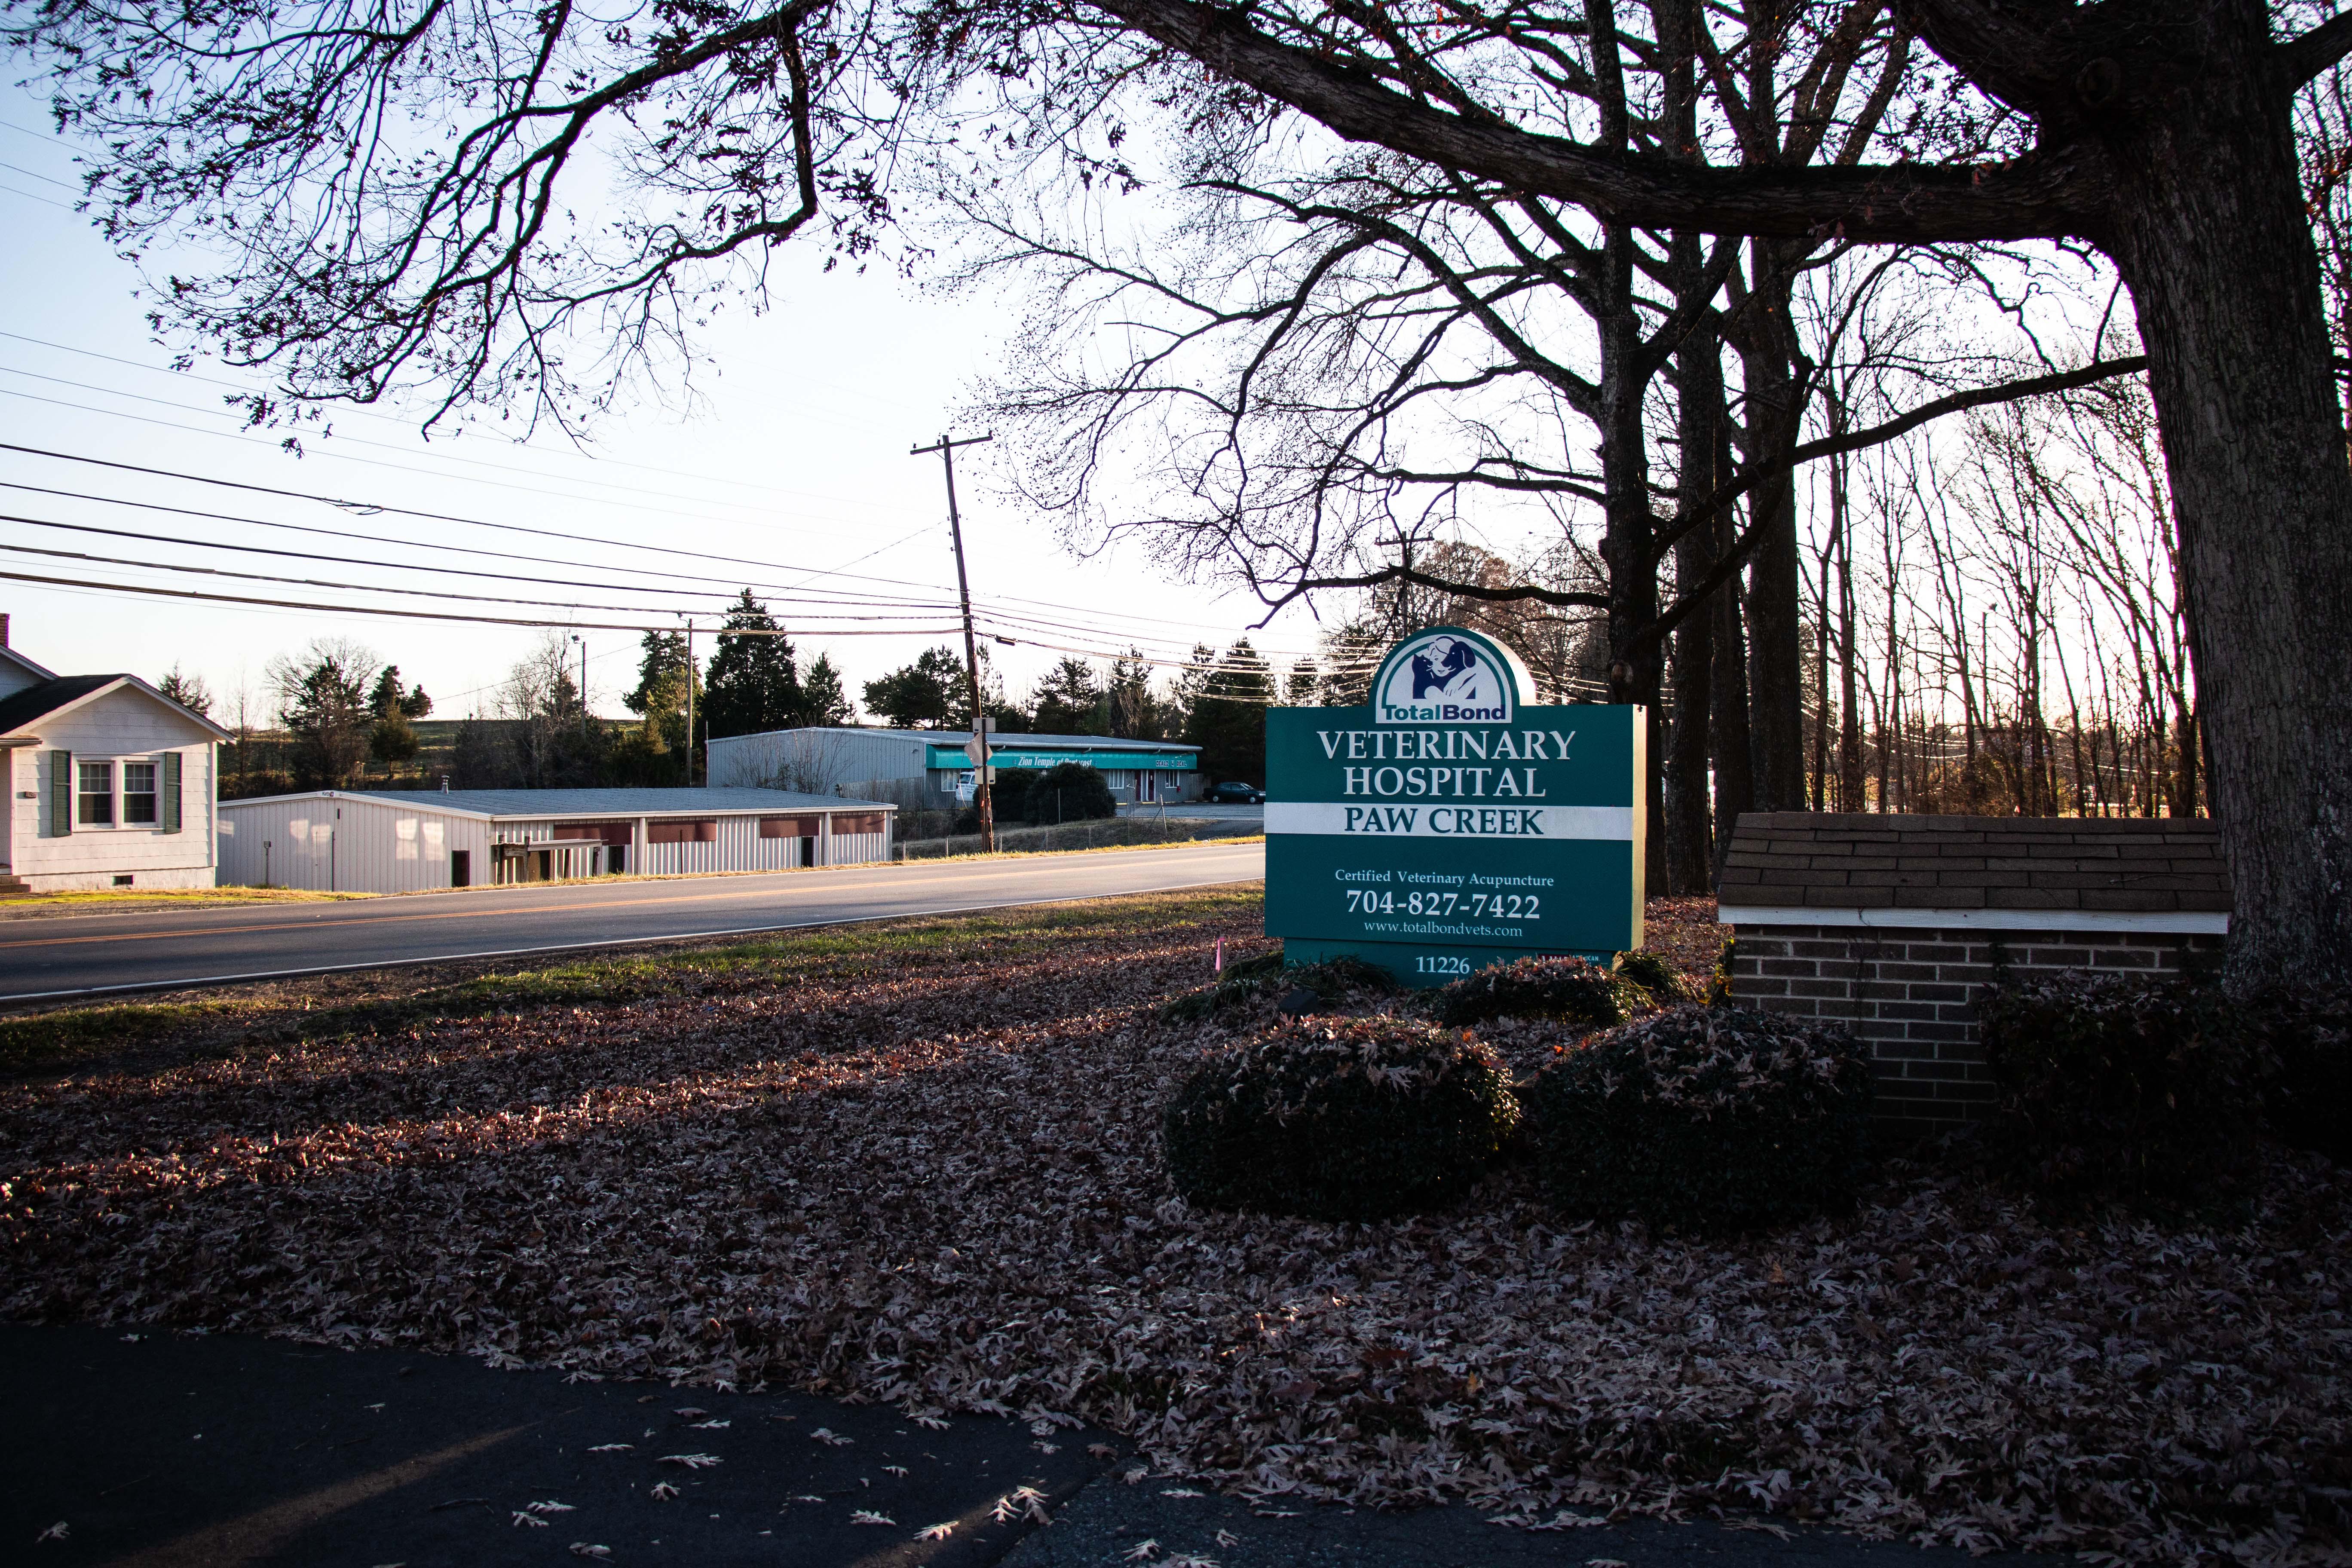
<point>152,1449</point>
<point>94,954</point>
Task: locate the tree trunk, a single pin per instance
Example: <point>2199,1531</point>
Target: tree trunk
<point>2239,366</point>
<point>1735,789</point>
<point>1690,847</point>
<point>1776,653</point>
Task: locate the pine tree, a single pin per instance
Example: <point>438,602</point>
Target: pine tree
<point>1227,719</point>
<point>829,702</point>
<point>753,684</point>
<point>188,691</point>
<point>1069,701</point>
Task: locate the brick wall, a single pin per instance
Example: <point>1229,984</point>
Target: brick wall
<point>1911,993</point>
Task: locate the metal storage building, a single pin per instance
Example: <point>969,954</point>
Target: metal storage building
<point>829,760</point>
<point>410,841</point>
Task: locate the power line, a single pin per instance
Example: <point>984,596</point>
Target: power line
<point>389,419</point>
<point>777,589</point>
<point>699,594</point>
<point>441,456</point>
<point>375,507</point>
<point>369,462</point>
<point>476,522</point>
<point>435,614</point>
<point>373,588</point>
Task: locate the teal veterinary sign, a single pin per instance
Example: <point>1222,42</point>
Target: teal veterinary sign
<point>1445,826</point>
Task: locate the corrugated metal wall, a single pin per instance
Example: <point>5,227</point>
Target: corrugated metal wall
<point>342,844</point>
<point>813,760</point>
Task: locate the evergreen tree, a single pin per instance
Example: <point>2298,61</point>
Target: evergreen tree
<point>753,684</point>
<point>322,700</point>
<point>1135,713</point>
<point>1069,701</point>
<point>663,679</point>
<point>188,691</point>
<point>827,701</point>
<point>927,694</point>
<point>1305,680</point>
<point>1227,719</point>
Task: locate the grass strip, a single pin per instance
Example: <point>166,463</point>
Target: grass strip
<point>57,1040</point>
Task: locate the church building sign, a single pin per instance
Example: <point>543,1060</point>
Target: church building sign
<point>1446,824</point>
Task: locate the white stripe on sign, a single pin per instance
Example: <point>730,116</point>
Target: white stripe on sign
<point>1449,821</point>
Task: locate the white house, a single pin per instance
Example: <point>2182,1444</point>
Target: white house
<point>111,782</point>
<point>411,841</point>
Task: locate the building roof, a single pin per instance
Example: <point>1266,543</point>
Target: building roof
<point>36,703</point>
<point>39,701</point>
<point>1004,738</point>
<point>537,803</point>
<point>1795,860</point>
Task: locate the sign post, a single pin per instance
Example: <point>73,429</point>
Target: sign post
<point>1446,826</point>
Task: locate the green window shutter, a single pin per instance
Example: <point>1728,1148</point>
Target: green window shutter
<point>171,790</point>
<point>61,783</point>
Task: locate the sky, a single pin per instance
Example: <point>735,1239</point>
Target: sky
<point>795,467</point>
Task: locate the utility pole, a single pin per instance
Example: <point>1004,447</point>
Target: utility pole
<point>584,683</point>
<point>946,449</point>
<point>689,704</point>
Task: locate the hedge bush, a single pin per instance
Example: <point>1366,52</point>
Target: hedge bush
<point>1333,981</point>
<point>1591,996</point>
<point>1341,1119</point>
<point>1658,980</point>
<point>2115,1086</point>
<point>2306,1031</point>
<point>1083,794</point>
<point>1010,793</point>
<point>1704,1119</point>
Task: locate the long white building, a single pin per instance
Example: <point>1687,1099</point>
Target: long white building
<point>413,841</point>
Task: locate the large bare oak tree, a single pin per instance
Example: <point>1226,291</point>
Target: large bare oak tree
<point>394,192</point>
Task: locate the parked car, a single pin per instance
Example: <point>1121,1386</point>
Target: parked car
<point>1233,792</point>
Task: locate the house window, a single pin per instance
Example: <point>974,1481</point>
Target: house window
<point>139,795</point>
<point>96,794</point>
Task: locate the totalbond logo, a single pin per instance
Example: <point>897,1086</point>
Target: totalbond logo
<point>1445,675</point>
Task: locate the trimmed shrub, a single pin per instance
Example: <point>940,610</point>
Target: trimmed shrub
<point>1590,995</point>
<point>1340,1119</point>
<point>2306,1031</point>
<point>1704,1119</point>
<point>2112,1087</point>
<point>1010,793</point>
<point>1658,979</point>
<point>1069,792</point>
<point>1333,981</point>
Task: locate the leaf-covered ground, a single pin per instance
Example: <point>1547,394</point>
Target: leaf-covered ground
<point>917,1164</point>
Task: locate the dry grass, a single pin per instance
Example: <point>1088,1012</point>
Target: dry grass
<point>153,900</point>
<point>919,1165</point>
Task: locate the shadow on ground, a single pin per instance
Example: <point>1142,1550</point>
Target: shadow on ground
<point>168,1451</point>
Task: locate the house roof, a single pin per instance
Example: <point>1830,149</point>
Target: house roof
<point>37,702</point>
<point>584,803</point>
<point>1794,859</point>
<point>22,708</point>
<point>28,666</point>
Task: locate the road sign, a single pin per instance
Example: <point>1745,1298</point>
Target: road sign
<point>1445,826</point>
<point>977,748</point>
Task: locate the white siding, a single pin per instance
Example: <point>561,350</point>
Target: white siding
<point>123,725</point>
<point>328,843</point>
